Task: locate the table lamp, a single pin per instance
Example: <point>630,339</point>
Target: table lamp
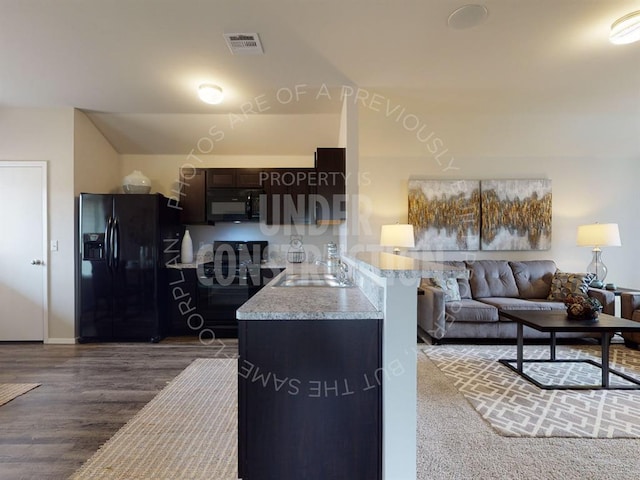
<point>396,236</point>
<point>598,235</point>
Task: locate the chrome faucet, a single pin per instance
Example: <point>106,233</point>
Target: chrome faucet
<point>343,272</point>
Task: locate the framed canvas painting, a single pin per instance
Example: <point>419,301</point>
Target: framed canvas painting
<point>445,214</point>
<point>516,214</point>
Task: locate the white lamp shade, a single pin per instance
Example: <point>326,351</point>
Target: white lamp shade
<point>397,235</point>
<point>209,93</point>
<point>599,235</point>
<point>626,29</point>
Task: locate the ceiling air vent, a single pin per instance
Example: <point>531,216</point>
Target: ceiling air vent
<point>244,43</point>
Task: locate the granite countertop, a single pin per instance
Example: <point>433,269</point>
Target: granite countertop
<point>307,303</point>
<point>397,266</point>
<point>195,264</point>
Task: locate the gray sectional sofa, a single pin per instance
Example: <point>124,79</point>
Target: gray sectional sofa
<point>473,309</point>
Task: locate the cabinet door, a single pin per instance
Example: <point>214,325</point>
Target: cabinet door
<point>234,177</point>
<point>193,197</point>
<point>248,177</point>
<point>323,399</point>
<point>330,185</point>
<point>299,208</point>
<point>221,177</point>
<point>182,300</point>
<point>289,196</point>
<point>275,192</point>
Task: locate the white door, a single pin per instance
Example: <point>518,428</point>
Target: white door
<point>23,274</point>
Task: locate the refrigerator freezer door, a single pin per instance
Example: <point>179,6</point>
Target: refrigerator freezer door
<point>94,283</point>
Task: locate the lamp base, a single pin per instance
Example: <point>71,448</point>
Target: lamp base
<point>597,283</point>
<point>598,268</point>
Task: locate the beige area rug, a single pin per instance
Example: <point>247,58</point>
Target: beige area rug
<point>9,391</point>
<point>515,407</point>
<point>188,431</point>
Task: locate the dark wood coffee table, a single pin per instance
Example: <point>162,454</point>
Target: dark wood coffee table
<point>555,322</point>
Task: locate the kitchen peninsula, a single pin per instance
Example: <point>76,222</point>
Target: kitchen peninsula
<point>327,375</point>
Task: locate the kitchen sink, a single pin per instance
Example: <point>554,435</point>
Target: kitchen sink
<point>311,280</point>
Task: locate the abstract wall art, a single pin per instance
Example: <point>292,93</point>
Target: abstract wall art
<point>515,214</point>
<point>445,214</point>
<point>481,214</point>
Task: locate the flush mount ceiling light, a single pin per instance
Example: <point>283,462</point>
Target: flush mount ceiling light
<point>467,16</point>
<point>210,93</point>
<point>626,29</point>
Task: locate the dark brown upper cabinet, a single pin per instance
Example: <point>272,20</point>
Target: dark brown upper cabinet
<point>193,201</point>
<point>234,177</point>
<point>292,195</point>
<point>289,196</point>
<point>330,205</point>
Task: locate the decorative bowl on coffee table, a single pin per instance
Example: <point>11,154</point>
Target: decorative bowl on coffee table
<point>582,308</point>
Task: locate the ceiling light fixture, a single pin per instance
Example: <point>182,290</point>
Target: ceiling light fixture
<point>626,29</point>
<point>209,93</point>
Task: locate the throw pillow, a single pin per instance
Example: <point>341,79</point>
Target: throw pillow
<point>450,288</point>
<point>564,284</point>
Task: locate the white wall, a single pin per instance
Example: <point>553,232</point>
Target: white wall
<point>591,160</point>
<point>96,164</point>
<point>47,134</point>
<point>79,159</point>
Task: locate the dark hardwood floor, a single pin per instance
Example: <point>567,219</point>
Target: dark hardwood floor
<point>87,393</point>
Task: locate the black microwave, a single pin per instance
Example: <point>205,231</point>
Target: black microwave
<point>233,204</point>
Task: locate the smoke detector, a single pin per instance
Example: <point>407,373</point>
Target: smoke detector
<point>244,43</point>
<point>467,16</point>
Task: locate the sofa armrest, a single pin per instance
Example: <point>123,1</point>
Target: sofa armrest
<point>606,298</point>
<point>629,301</point>
<point>431,315</point>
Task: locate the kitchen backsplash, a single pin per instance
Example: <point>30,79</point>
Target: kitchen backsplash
<point>314,238</point>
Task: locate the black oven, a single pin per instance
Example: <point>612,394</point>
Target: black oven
<point>228,281</point>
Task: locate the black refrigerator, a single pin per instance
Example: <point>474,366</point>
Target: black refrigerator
<point>125,241</point>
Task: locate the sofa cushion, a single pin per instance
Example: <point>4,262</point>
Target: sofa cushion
<point>449,286</point>
<point>463,283</point>
<point>517,304</point>
<point>533,277</point>
<point>564,284</point>
<point>491,278</point>
<point>468,310</point>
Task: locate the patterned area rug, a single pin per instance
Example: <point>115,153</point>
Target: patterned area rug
<point>515,407</point>
<point>9,391</point>
<point>187,431</point>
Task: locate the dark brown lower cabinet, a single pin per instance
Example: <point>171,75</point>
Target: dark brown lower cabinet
<point>310,399</point>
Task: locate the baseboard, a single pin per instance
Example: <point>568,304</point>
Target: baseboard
<point>60,341</point>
